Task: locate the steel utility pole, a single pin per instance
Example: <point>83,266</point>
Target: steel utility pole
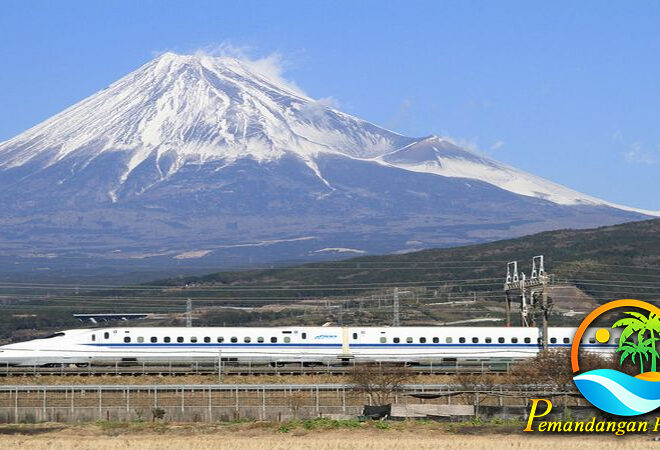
<point>189,313</point>
<point>219,366</point>
<point>395,307</point>
<point>533,295</point>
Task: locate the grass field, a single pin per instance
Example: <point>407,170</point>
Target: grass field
<point>265,436</point>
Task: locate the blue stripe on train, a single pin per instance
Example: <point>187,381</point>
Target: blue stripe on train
<point>149,344</point>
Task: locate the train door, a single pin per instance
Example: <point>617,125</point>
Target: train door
<point>346,340</point>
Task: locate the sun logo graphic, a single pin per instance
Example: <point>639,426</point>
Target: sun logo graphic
<point>611,390</point>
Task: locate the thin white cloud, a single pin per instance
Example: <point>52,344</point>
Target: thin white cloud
<point>617,137</point>
<point>329,102</point>
<point>636,154</point>
<point>271,66</point>
<point>470,144</point>
<point>317,109</point>
<point>497,145</point>
<point>401,116</point>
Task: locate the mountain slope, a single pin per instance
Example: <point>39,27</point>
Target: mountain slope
<point>620,261</point>
<point>195,155</point>
<point>178,109</point>
<point>442,157</point>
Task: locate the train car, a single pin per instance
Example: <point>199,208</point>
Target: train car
<point>283,345</point>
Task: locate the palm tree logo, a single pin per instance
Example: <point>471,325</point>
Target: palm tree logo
<point>646,329</point>
<point>614,391</point>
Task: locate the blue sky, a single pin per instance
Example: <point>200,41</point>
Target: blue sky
<point>567,90</point>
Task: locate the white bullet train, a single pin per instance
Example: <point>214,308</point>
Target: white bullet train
<point>284,345</point>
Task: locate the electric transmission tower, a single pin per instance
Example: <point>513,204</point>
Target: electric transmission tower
<point>532,293</point>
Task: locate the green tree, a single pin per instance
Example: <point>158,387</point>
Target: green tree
<point>644,346</point>
<point>633,349</point>
<point>653,325</point>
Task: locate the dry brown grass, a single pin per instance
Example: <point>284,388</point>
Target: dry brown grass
<point>265,436</point>
<point>201,379</point>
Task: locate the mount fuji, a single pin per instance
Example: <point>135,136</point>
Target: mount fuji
<point>200,158</point>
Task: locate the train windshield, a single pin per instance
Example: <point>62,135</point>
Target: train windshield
<point>50,336</point>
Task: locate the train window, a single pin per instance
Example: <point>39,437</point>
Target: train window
<point>500,340</point>
<point>383,339</point>
<point>140,340</point>
<point>616,340</point>
<point>354,335</point>
<point>193,339</point>
<point>436,340</point>
<point>422,340</point>
<point>273,340</point>
<point>106,335</point>
<point>287,339</point>
<point>461,340</point>
<point>553,340</point>
<point>475,340</point>
<point>409,340</point>
<point>247,340</point>
<point>303,335</point>
<point>260,339</point>
<point>567,340</point>
<point>396,340</point>
<point>449,340</point>
<point>528,340</point>
<point>179,339</point>
<point>540,341</point>
<point>93,337</point>
<point>220,339</point>
<point>166,339</point>
<point>234,339</point>
<point>592,340</point>
<point>207,339</point>
<point>514,340</point>
<point>489,340</point>
<point>127,339</point>
<point>154,339</point>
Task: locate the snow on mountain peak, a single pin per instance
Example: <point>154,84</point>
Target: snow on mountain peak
<point>441,156</point>
<point>200,108</point>
<point>178,110</point>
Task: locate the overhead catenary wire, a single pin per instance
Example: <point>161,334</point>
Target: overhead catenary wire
<point>170,298</point>
<point>233,286</point>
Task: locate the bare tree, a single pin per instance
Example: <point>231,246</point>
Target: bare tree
<point>380,382</point>
<point>553,368</point>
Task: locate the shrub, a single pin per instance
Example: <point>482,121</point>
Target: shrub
<point>158,413</point>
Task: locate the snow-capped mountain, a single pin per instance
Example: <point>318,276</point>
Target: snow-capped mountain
<point>198,155</point>
<point>442,157</point>
<point>195,109</point>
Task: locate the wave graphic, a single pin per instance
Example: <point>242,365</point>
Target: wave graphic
<point>618,393</point>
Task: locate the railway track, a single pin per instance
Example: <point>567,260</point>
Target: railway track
<point>174,369</point>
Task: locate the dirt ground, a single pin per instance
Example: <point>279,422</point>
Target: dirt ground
<point>324,442</point>
<point>258,436</point>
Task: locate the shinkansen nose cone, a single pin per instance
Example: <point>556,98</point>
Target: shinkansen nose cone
<point>41,351</point>
<point>54,340</point>
<point>15,357</point>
